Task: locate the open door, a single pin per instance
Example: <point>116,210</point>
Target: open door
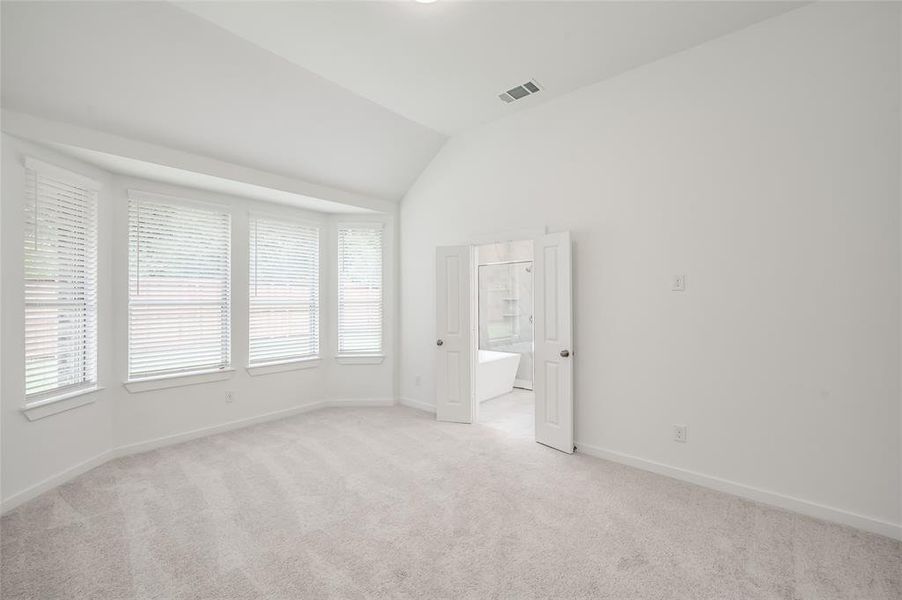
<point>553,385</point>
<point>453,393</point>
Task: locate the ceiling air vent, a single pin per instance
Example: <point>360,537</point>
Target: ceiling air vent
<point>521,91</point>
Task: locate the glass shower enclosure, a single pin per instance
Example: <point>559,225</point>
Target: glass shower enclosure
<point>505,313</point>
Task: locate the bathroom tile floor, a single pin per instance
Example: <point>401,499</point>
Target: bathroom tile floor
<point>513,413</point>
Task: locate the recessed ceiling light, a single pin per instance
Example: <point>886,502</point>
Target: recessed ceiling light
<point>425,1</point>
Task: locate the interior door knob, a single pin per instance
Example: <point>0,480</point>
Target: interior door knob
<point>565,353</point>
<point>439,342</point>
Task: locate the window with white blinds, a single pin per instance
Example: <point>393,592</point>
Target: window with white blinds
<point>284,290</point>
<point>360,288</point>
<point>60,281</point>
<point>178,286</point>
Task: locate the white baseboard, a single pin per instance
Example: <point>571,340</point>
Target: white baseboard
<point>798,505</point>
<point>128,449</point>
<point>185,436</point>
<point>811,509</point>
<point>238,424</point>
<point>417,404</point>
<point>55,480</point>
<point>360,402</point>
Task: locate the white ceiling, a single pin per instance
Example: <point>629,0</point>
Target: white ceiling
<point>201,181</point>
<point>353,96</point>
<point>152,72</point>
<point>443,64</point>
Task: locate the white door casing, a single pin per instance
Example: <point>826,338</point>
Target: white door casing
<point>553,386</point>
<point>453,392</point>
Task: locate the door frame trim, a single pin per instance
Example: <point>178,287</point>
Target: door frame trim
<point>486,239</point>
<point>508,235</point>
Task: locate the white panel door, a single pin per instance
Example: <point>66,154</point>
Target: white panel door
<point>553,386</point>
<point>453,394</point>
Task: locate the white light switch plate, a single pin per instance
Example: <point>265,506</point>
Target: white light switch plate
<point>678,283</point>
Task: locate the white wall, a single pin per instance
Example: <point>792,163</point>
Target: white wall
<point>145,416</point>
<point>352,380</point>
<point>764,165</point>
<point>34,451</point>
<point>121,421</point>
<point>150,415</point>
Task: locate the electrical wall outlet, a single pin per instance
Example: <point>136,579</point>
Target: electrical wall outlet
<point>678,283</point>
<point>417,381</point>
<point>679,433</point>
<point>230,397</point>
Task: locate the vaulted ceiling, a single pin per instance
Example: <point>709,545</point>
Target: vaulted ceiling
<point>444,64</point>
<point>358,96</point>
<point>154,72</point>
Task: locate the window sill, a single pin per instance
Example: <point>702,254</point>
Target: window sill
<point>360,359</point>
<point>38,409</point>
<point>147,384</point>
<point>282,366</point>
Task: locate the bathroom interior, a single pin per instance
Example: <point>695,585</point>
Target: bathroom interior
<point>504,369</point>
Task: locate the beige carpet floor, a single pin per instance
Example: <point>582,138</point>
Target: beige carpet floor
<point>387,503</point>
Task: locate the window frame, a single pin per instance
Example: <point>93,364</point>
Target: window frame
<point>369,356</point>
<point>286,363</point>
<point>38,404</point>
<point>144,382</point>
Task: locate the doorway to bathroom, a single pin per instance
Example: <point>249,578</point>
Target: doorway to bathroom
<point>493,389</point>
<point>504,336</point>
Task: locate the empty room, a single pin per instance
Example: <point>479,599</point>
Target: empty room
<point>439,299</point>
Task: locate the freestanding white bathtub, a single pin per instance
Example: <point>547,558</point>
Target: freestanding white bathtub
<point>495,373</point>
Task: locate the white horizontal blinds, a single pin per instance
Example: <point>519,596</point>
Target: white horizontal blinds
<point>60,280</point>
<point>284,290</point>
<point>178,286</point>
<point>360,289</point>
